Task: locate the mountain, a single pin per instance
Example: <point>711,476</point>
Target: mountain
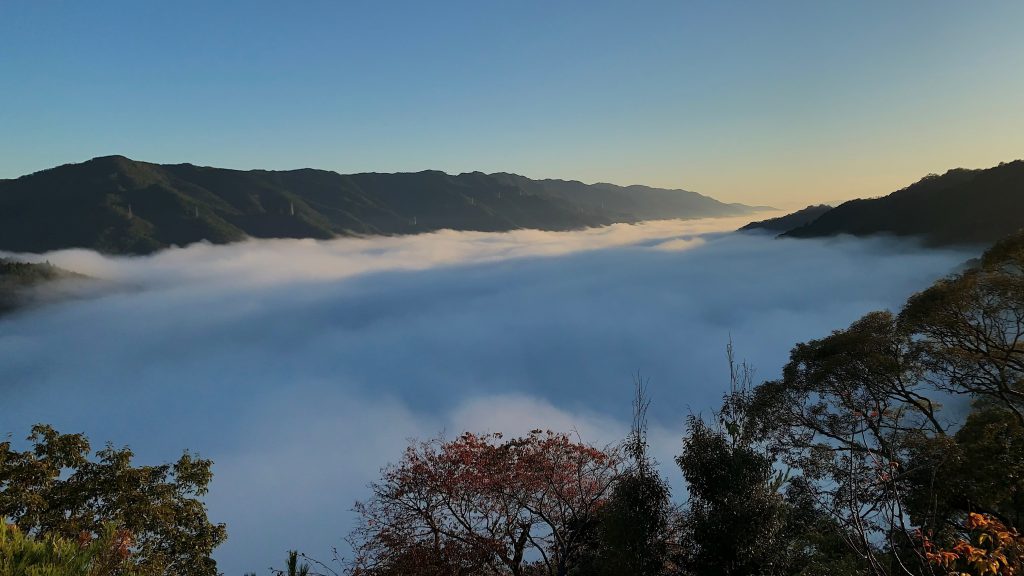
<point>625,203</point>
<point>18,278</point>
<point>117,205</point>
<point>959,207</point>
<point>790,221</point>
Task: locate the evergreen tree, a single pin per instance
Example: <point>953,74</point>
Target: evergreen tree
<point>735,515</point>
<point>635,522</point>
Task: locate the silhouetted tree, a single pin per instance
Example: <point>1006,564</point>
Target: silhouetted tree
<point>979,469</point>
<point>847,413</point>
<point>735,515</point>
<point>971,328</point>
<point>293,567</point>
<point>632,538</point>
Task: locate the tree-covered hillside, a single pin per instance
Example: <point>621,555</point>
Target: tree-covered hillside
<point>117,205</point>
<point>18,278</point>
<point>959,207</point>
<point>789,221</point>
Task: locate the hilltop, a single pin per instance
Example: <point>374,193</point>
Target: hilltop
<point>18,278</point>
<point>961,206</point>
<point>117,205</point>
<point>789,221</point>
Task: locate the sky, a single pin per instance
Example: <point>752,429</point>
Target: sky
<point>782,103</point>
<point>301,367</point>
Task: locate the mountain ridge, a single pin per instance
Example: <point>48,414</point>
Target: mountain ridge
<point>118,205</point>
<point>789,221</point>
<point>961,206</point>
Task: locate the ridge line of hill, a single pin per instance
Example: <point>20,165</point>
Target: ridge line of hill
<point>114,204</point>
<point>961,206</point>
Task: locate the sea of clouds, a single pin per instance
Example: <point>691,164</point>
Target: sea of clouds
<point>301,367</point>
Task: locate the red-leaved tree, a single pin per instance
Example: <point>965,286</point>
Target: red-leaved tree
<point>482,504</point>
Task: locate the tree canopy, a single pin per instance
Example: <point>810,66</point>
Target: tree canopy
<point>483,504</point>
<point>59,489</point>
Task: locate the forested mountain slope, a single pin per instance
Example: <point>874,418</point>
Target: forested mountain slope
<point>959,207</point>
<point>790,221</point>
<point>117,205</point>
<point>17,279</point>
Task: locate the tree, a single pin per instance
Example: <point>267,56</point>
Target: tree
<point>56,490</point>
<point>636,523</point>
<point>108,554</point>
<point>985,548</point>
<point>811,542</point>
<point>855,413</point>
<point>979,469</point>
<point>735,515</point>
<point>846,414</point>
<point>971,326</point>
<point>293,567</point>
<point>481,504</point>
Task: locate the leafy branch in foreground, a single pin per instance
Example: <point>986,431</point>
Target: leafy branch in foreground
<point>108,554</point>
<point>58,489</point>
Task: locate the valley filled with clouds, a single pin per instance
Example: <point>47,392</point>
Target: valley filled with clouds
<point>301,366</point>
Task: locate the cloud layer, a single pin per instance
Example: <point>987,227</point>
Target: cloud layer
<point>301,367</point>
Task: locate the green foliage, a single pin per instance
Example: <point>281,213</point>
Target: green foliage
<point>635,525</point>
<point>16,278</point>
<point>27,273</point>
<point>56,490</point>
<point>745,516</point>
<point>856,414</point>
<point>23,555</point>
<point>735,514</point>
<point>971,328</point>
<point>845,416</point>
<point>293,567</point>
<point>980,468</point>
<point>734,518</point>
<point>812,542</point>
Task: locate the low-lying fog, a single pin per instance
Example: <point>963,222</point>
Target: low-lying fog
<point>301,367</point>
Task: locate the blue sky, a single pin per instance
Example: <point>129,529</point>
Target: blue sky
<point>767,102</point>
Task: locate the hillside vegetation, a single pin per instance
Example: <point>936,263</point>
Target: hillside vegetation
<point>117,205</point>
<point>789,221</point>
<point>18,278</point>
<point>959,207</point>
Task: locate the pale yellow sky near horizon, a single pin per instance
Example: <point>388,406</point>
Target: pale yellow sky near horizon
<point>846,165</point>
<point>854,178</point>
